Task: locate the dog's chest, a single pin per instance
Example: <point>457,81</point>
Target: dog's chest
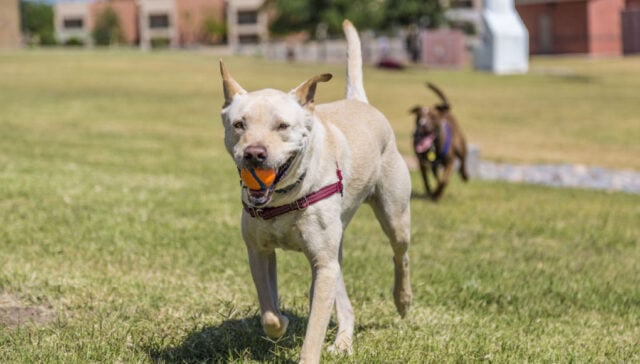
<point>268,235</point>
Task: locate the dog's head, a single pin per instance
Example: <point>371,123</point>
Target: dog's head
<point>267,129</point>
<point>429,121</point>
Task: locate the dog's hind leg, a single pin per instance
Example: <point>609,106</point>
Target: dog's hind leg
<point>263,271</point>
<point>390,204</point>
<point>463,166</point>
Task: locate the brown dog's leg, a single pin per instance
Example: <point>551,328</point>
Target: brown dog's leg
<point>425,178</point>
<point>443,180</point>
<point>463,165</point>
<point>463,170</point>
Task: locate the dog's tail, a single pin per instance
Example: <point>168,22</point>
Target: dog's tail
<point>445,103</point>
<point>355,87</point>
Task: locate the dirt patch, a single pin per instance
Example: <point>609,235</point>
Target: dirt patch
<point>15,314</point>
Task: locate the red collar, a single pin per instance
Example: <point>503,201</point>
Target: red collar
<point>267,213</point>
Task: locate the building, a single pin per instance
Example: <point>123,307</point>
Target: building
<point>592,27</point>
<point>9,24</point>
<point>248,25</point>
<point>157,23</point>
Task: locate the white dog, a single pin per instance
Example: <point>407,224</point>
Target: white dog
<point>329,159</point>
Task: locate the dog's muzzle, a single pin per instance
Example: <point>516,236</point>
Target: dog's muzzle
<point>263,196</point>
<point>423,143</point>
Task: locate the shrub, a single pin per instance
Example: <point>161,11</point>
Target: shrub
<point>107,30</point>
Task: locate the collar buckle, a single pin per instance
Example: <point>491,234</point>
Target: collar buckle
<point>256,212</point>
<point>302,203</point>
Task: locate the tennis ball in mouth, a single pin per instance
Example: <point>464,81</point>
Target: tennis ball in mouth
<point>258,179</point>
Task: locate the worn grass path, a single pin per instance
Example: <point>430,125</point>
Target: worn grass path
<point>119,213</point>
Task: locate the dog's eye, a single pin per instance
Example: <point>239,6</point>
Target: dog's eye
<point>283,126</point>
<point>238,125</point>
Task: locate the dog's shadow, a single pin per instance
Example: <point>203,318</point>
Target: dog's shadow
<point>234,340</point>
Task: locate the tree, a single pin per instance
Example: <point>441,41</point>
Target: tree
<point>107,30</point>
<point>305,15</point>
<point>37,22</point>
<point>426,13</point>
<point>215,31</point>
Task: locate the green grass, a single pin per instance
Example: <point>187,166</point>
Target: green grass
<point>119,208</point>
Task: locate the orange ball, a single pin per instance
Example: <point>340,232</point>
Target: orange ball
<point>258,179</point>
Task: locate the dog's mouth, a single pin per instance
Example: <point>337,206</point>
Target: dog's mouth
<point>262,196</point>
<point>424,142</point>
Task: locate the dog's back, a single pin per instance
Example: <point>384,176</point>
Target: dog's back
<point>366,129</point>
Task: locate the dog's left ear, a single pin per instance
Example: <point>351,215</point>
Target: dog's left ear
<point>230,86</point>
<point>416,110</point>
<point>307,90</point>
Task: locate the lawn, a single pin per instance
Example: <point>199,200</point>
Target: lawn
<point>119,218</point>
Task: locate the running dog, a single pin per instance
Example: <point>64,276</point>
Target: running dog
<point>437,142</point>
<point>328,160</point>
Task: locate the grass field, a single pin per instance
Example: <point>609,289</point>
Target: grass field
<point>119,218</point>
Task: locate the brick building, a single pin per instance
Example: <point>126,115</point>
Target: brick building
<point>9,24</point>
<point>174,23</point>
<point>578,26</point>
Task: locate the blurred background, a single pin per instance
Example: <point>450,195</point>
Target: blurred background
<point>430,32</point>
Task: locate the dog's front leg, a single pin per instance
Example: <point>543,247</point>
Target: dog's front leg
<point>425,177</point>
<point>346,319</point>
<point>264,273</point>
<point>326,271</point>
<point>443,180</point>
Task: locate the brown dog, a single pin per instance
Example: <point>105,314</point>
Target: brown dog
<point>437,142</point>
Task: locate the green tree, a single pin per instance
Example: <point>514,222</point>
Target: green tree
<point>107,30</point>
<point>37,22</point>
<point>305,15</point>
<point>427,13</point>
<point>215,31</point>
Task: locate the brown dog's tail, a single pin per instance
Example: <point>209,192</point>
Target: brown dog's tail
<point>355,86</point>
<point>445,103</point>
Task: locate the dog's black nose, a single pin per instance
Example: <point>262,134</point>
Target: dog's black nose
<point>255,153</point>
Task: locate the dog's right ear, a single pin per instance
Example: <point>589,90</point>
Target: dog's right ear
<point>230,86</point>
<point>305,92</point>
<point>416,110</point>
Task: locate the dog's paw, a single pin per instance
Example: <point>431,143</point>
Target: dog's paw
<point>274,325</point>
<point>342,346</point>
<point>402,299</point>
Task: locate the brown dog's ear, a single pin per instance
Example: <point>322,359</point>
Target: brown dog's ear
<point>416,109</point>
<point>305,92</point>
<point>230,86</point>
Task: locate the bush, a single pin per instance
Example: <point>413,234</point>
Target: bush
<point>215,31</point>
<point>160,43</point>
<point>74,42</point>
<point>107,30</point>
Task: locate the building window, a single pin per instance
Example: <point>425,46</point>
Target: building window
<point>247,17</point>
<point>249,39</point>
<point>159,21</point>
<point>457,4</point>
<point>72,23</point>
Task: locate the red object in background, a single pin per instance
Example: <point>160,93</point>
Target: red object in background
<point>444,48</point>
